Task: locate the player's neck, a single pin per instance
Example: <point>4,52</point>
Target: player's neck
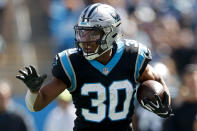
<point>105,58</point>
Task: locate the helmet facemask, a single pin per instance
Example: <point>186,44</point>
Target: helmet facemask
<point>85,36</point>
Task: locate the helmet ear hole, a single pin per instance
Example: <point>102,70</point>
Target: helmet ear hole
<point>118,25</point>
<point>113,36</point>
<point>100,19</point>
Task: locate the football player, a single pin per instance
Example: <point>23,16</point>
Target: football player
<point>101,73</point>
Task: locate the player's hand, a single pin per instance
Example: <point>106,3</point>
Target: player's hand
<point>31,78</point>
<point>162,109</point>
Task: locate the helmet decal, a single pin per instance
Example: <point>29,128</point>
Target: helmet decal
<point>84,13</point>
<point>91,11</point>
<point>88,11</point>
<point>115,16</point>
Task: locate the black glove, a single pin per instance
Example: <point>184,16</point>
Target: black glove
<point>161,109</point>
<point>32,80</point>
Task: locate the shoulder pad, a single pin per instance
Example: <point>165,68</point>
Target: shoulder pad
<point>72,51</point>
<point>129,42</point>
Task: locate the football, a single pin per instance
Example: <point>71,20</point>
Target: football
<point>147,90</point>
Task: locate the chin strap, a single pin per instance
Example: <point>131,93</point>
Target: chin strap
<point>92,56</point>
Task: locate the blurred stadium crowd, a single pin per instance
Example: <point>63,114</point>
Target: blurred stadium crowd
<point>33,31</point>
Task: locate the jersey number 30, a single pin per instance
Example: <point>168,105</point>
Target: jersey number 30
<point>113,92</point>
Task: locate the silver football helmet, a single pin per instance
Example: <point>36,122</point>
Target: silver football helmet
<point>98,23</point>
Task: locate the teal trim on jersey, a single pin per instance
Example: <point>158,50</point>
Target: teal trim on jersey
<point>140,60</point>
<point>68,69</point>
<point>106,69</point>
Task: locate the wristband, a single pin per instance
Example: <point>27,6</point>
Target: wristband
<point>30,100</point>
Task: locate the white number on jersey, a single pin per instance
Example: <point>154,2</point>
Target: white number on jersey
<point>113,100</point>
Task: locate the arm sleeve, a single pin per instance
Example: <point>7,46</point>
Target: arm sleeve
<point>58,71</point>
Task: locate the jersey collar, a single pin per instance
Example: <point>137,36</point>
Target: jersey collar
<point>106,69</point>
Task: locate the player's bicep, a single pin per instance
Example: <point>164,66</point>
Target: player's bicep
<point>53,89</point>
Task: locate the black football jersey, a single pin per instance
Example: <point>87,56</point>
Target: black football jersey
<point>103,94</point>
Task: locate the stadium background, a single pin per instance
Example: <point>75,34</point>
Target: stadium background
<point>33,31</point>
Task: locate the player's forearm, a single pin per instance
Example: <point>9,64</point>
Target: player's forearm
<point>41,101</point>
<point>34,101</point>
<point>151,74</point>
<point>157,77</point>
<point>48,93</point>
<point>160,80</point>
